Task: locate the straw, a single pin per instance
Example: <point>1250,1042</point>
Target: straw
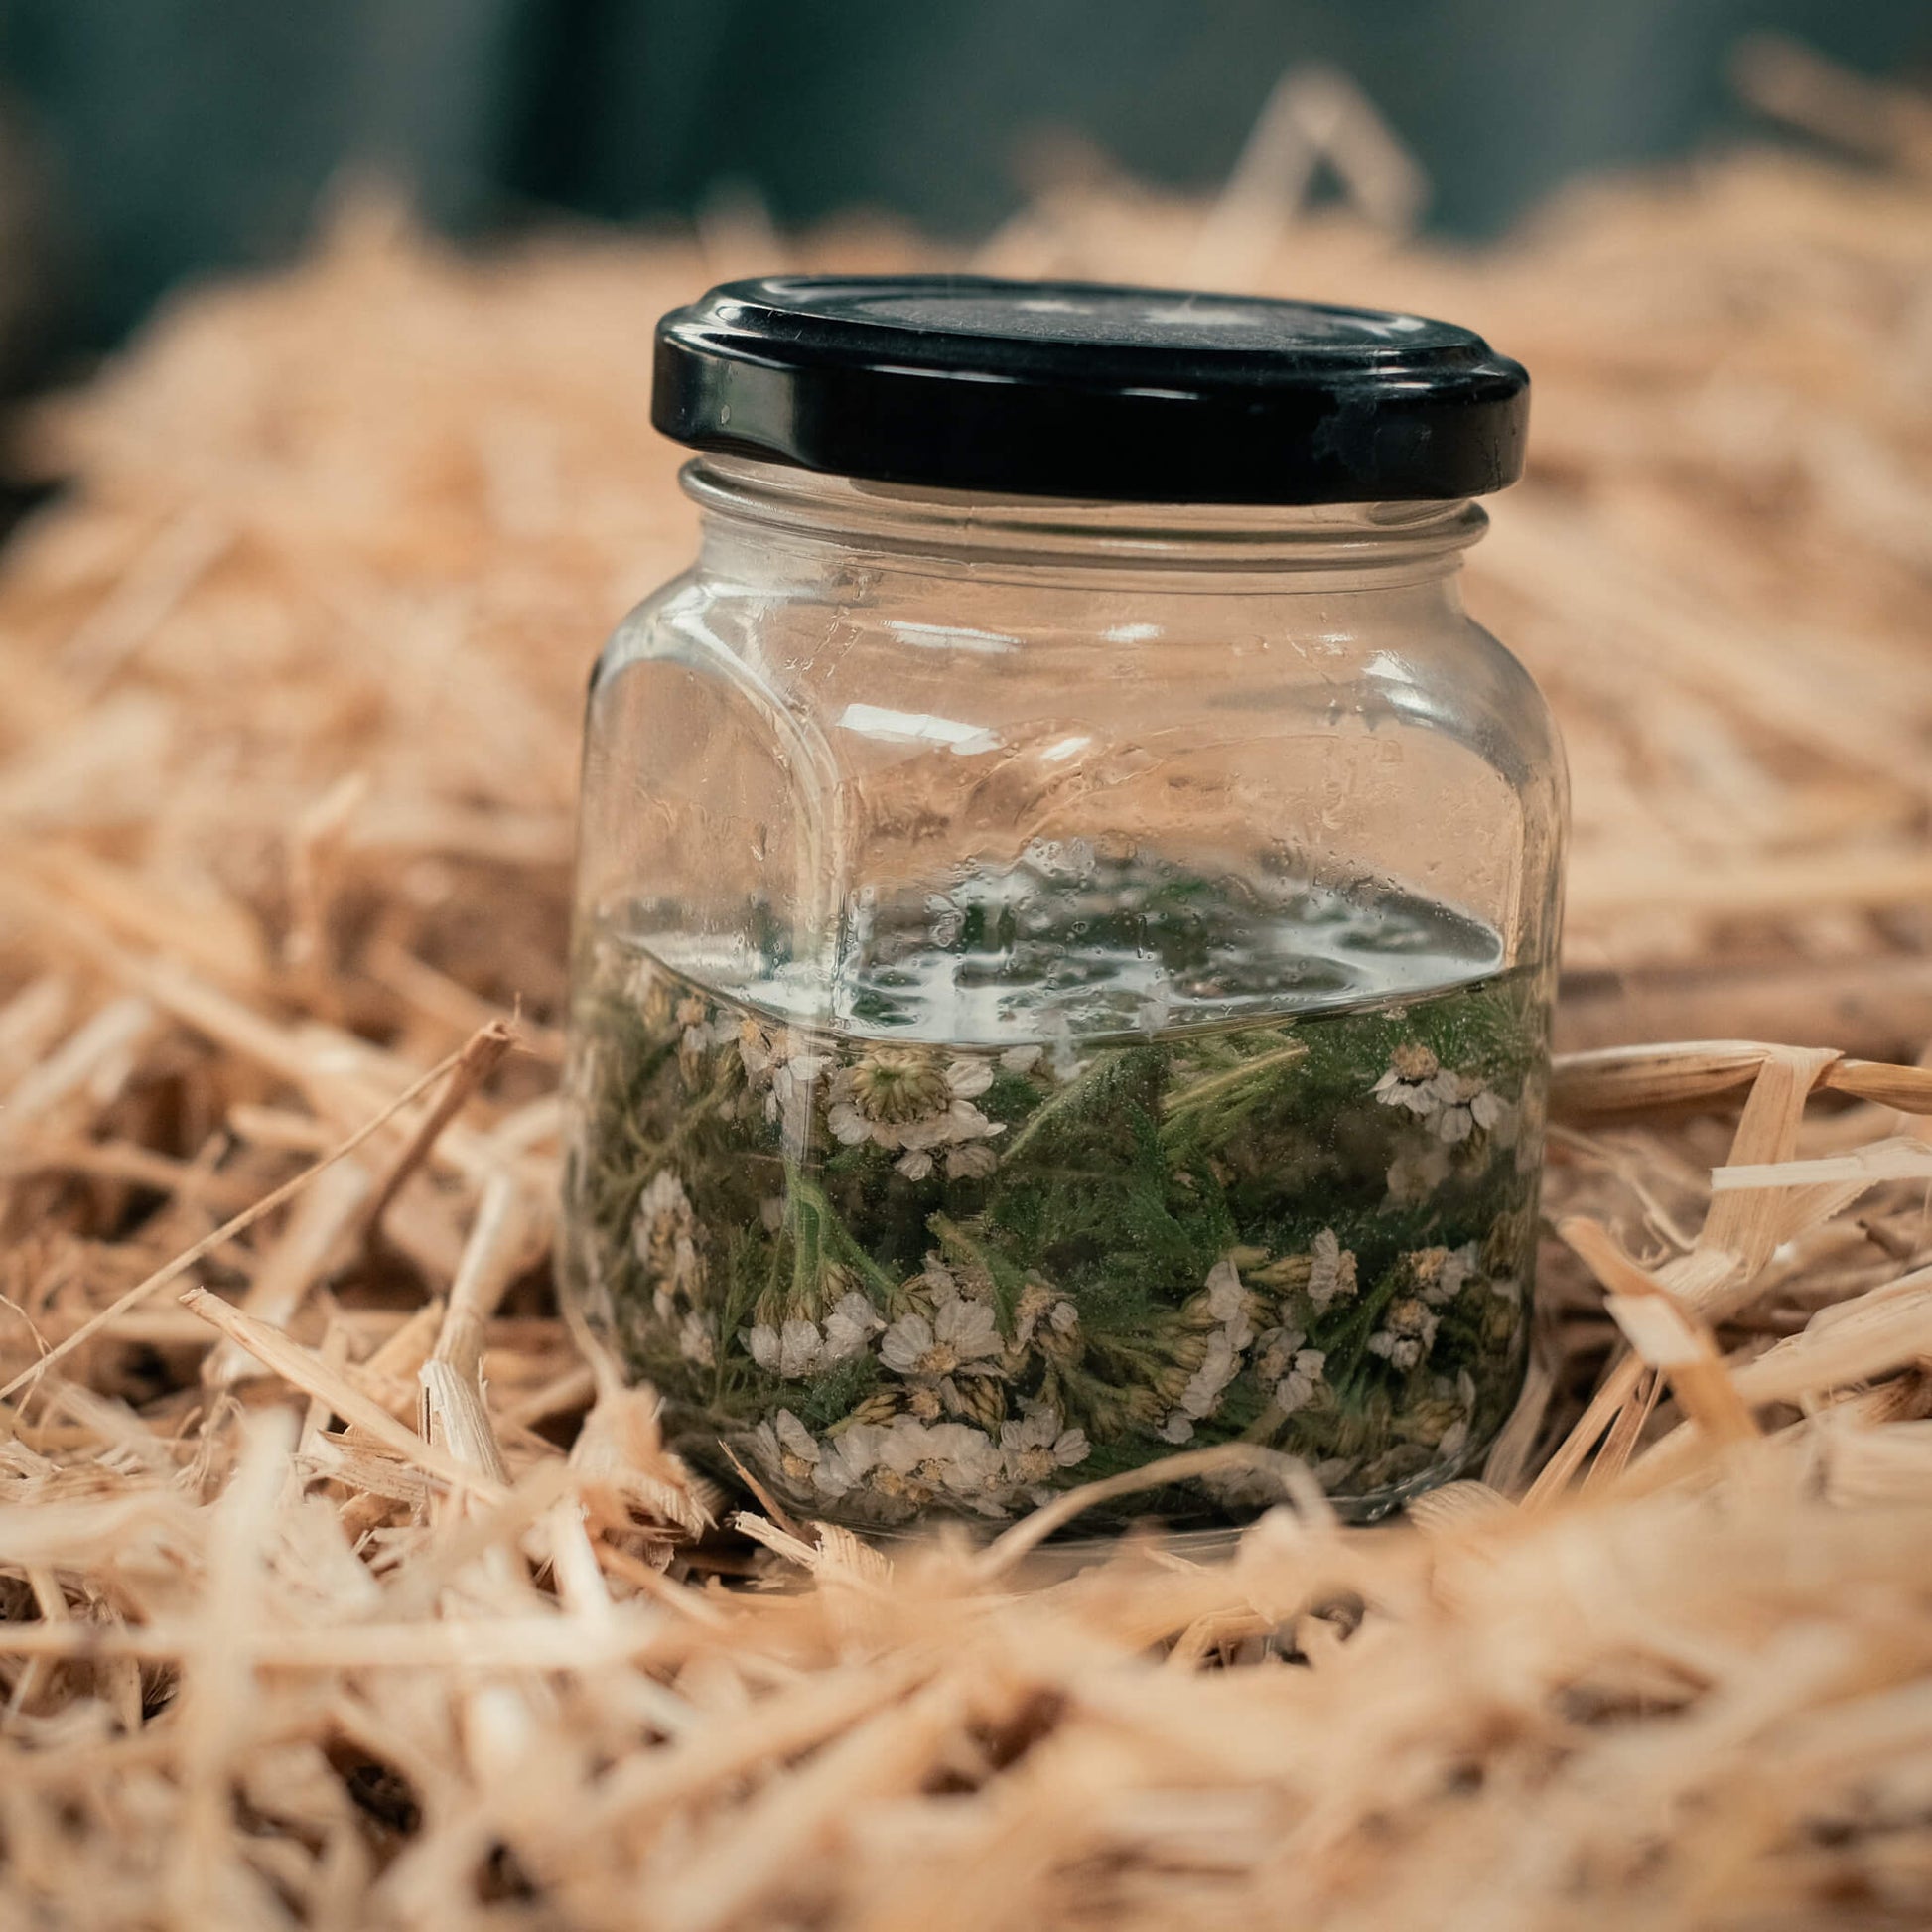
<point>352,1589</point>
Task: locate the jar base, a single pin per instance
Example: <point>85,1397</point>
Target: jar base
<point>1079,1545</point>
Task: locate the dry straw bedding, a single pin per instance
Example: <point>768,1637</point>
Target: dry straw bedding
<point>338,1589</point>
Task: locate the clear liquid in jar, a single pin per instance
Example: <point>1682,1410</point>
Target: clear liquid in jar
<point>1054,1170</point>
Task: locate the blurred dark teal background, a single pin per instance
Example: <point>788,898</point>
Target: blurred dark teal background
<point>148,139</point>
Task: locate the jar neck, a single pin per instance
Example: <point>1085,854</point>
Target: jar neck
<point>771,518</point>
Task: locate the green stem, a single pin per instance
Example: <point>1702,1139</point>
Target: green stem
<point>1058,1102</point>
<point>1195,1096</point>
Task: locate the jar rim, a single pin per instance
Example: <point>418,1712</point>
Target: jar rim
<point>1414,537</point>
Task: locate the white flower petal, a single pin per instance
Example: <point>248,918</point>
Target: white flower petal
<point>798,1349</point>
<point>907,1343</point>
<point>1225,1295</point>
<point>968,1328</point>
<point>968,1078</point>
<point>964,1122</point>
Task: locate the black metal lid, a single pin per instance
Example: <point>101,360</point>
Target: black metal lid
<point>1082,390</point>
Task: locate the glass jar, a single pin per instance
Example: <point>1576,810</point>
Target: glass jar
<point>1068,904</point>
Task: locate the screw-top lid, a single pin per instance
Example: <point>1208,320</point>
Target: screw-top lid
<point>1081,390</point>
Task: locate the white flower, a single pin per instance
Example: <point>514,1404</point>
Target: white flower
<point>800,1348</point>
<point>1455,1105</point>
<point>1407,1335</point>
<point>664,1236</point>
<point>847,1458</point>
<point>1455,1439</point>
<point>1037,1445</point>
<point>1332,1270</point>
<point>959,1334</point>
<point>1463,1104</point>
<point>1227,1303</point>
<point>1447,1282</point>
<point>1406,1082</point>
<point>1295,1390</point>
<point>919,1460</point>
<point>901,1097</point>
<point>1279,1347</point>
<point>851,1325</point>
<point>791,1351</point>
<point>1219,1367</point>
<point>693,1016</point>
<point>973,1161</point>
<point>1022,1059</point>
<point>783,1065</point>
<point>757,1050</point>
<point>783,1446</point>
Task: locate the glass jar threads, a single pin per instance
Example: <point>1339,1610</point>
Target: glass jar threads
<point>1067,905</point>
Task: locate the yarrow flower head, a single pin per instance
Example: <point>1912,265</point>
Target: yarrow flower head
<point>784,1448</point>
<point>1295,1390</point>
<point>1408,1333</point>
<point>1225,1302</point>
<point>1454,1105</point>
<point>1279,1347</point>
<point>664,1236</point>
<point>1201,1395</point>
<point>1038,1447</point>
<point>958,1335</point>
<point>917,1462</point>
<point>798,1348</point>
<point>1442,1272</point>
<point>1332,1270</point>
<point>699,1028</point>
<point>907,1098</point>
<point>1412,1067</point>
<point>1229,1303</point>
<point>902,1465</point>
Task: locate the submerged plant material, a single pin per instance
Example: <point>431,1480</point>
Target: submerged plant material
<point>897,1275</point>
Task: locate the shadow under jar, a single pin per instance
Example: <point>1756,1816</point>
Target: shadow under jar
<point>1067,905</point>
